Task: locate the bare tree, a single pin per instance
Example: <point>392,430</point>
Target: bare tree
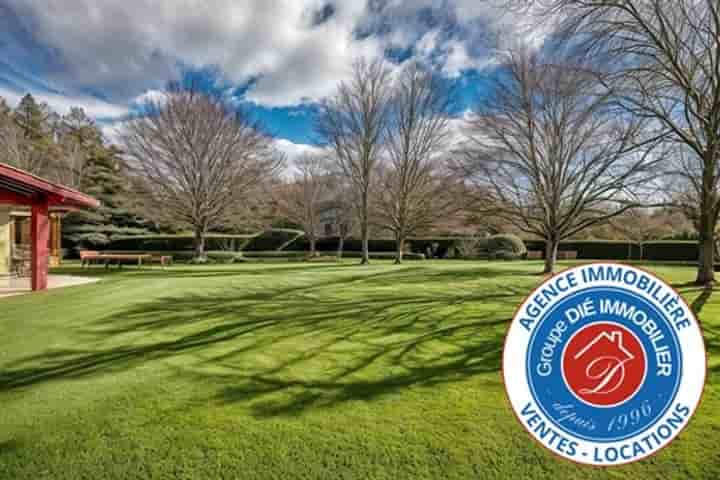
<point>640,226</point>
<point>198,164</point>
<point>551,154</point>
<point>15,148</point>
<point>665,57</point>
<point>352,123</point>
<point>413,189</point>
<point>300,200</point>
<point>340,211</point>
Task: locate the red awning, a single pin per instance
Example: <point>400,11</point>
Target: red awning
<point>23,188</point>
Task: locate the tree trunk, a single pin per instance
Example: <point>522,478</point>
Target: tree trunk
<point>341,246</point>
<point>642,250</point>
<point>199,244</point>
<point>313,243</point>
<point>365,244</point>
<point>706,243</point>
<point>551,249</point>
<point>399,248</point>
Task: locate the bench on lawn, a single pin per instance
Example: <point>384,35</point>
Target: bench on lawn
<point>88,257</point>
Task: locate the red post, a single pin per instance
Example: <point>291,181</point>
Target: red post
<point>40,234</point>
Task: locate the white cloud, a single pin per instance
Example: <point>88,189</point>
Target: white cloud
<point>294,150</point>
<point>150,96</point>
<point>137,44</point>
<point>458,60</point>
<point>95,108</point>
<point>123,48</point>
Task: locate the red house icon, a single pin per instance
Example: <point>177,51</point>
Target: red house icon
<point>606,344</point>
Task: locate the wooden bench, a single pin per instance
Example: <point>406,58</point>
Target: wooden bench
<point>567,255</point>
<point>87,257</point>
<point>534,255</point>
<point>120,259</point>
<point>163,260</point>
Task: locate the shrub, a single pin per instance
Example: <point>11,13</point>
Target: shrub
<point>506,243</point>
<point>470,247</point>
<point>435,247</point>
<point>507,255</point>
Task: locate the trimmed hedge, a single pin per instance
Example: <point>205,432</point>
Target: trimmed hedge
<point>182,242</point>
<point>671,250</point>
<point>625,250</point>
<point>274,254</point>
<point>187,256</point>
<point>384,255</point>
<point>275,239</point>
<point>437,247</point>
<point>292,243</point>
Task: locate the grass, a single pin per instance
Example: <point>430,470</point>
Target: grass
<point>291,371</point>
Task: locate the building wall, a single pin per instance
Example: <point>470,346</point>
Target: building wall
<point>4,241</point>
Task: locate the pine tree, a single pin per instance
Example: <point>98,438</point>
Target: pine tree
<point>32,118</point>
<point>38,147</point>
<point>105,180</point>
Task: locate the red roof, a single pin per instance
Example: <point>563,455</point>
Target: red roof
<point>24,185</point>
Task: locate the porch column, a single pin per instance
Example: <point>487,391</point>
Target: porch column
<point>40,236</point>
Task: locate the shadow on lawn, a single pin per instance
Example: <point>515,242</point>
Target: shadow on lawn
<point>293,347</point>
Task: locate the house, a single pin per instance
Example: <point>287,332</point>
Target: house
<point>604,344</point>
<point>30,212</point>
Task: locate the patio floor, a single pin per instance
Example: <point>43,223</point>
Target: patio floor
<point>10,286</point>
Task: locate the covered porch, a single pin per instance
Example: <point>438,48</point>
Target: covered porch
<point>41,200</point>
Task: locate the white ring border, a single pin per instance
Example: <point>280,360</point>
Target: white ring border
<point>692,348</point>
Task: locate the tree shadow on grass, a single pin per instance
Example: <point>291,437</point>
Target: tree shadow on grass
<point>704,293</point>
<point>329,341</point>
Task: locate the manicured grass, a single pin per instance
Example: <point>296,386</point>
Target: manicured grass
<point>291,371</point>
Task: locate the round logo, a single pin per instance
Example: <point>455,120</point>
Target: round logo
<point>604,364</point>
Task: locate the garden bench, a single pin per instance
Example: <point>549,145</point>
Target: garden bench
<point>120,259</point>
<point>534,255</point>
<point>163,260</point>
<point>89,256</point>
<point>567,255</point>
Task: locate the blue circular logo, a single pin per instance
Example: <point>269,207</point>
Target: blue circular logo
<point>604,364</point>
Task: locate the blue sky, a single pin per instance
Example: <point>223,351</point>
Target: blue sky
<point>277,59</point>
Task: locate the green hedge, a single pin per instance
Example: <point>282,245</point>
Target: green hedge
<point>625,250</point>
<point>275,239</point>
<point>383,255</point>
<point>187,256</point>
<point>671,250</point>
<point>181,242</point>
<point>274,254</point>
<point>266,245</point>
<point>438,247</point>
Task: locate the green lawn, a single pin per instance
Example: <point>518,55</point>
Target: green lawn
<point>291,371</point>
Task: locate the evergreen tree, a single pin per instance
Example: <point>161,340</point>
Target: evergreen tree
<point>32,118</point>
<point>105,180</point>
<point>38,149</point>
